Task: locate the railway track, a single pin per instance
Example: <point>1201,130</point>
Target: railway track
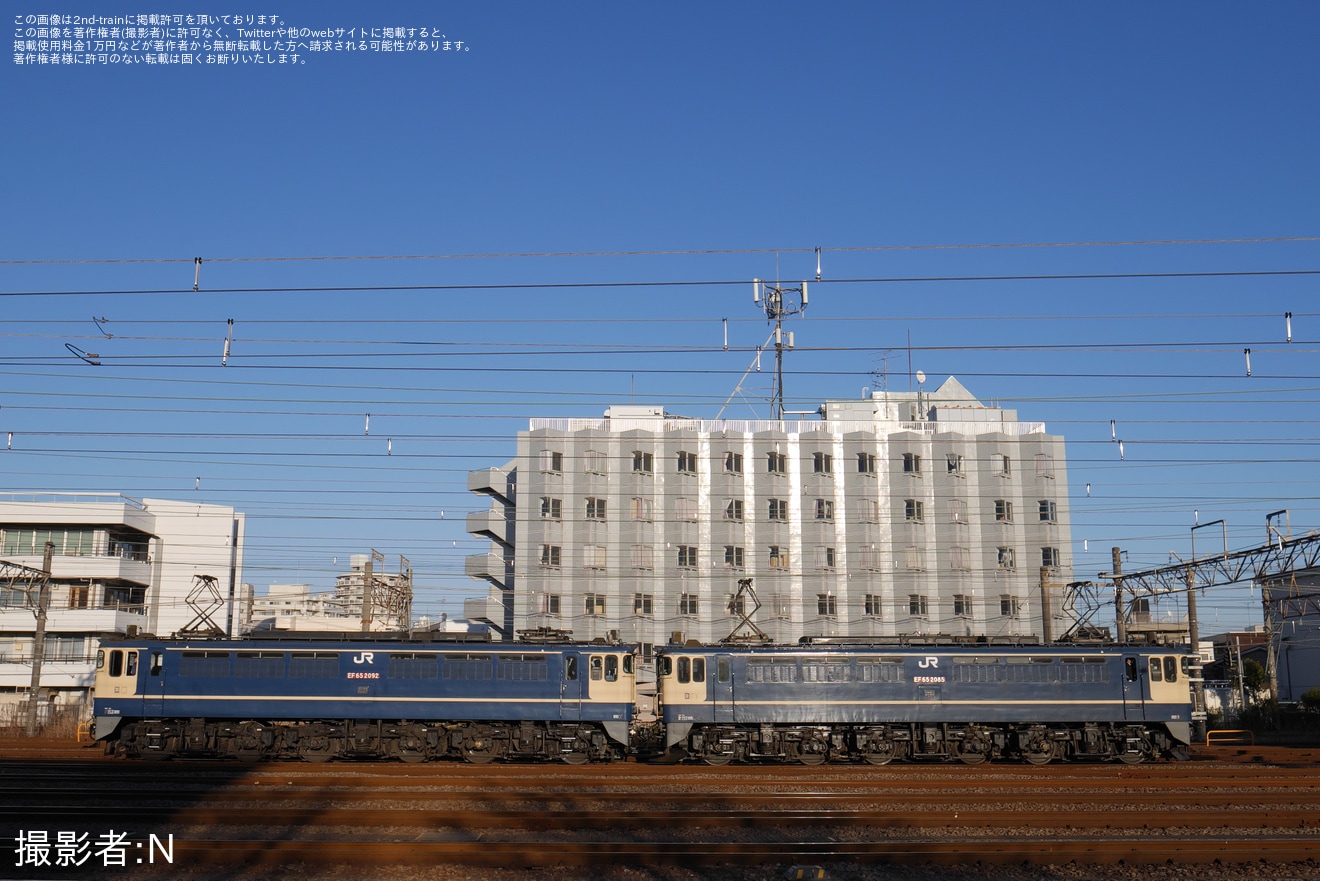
<point>241,819</point>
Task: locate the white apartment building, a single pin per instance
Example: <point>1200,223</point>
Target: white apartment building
<point>117,563</point>
<point>901,515</point>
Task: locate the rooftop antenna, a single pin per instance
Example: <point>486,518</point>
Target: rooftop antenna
<point>779,302</point>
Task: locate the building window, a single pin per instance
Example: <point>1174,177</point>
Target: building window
<point>687,604</point>
<point>1008,606</point>
<point>733,463</point>
<point>551,509</point>
<point>733,557</point>
<point>593,604</point>
<point>79,595</point>
<point>1006,557</point>
<point>874,607</point>
<point>1048,512</point>
<point>595,509</point>
<point>550,604</point>
<point>1049,557</point>
<point>866,463</point>
<point>955,461</point>
<point>826,605</point>
<point>687,462</point>
<point>959,558</point>
<point>917,605</point>
<point>593,462</point>
<point>822,463</point>
<point>913,510</point>
<point>551,556</point>
<point>778,557</point>
<point>641,509</point>
<point>962,606</point>
<point>957,511</point>
<point>912,464</point>
<point>825,558</point>
<point>733,509</point>
<point>777,463</point>
<point>1003,511</point>
<point>870,511</point>
<point>643,463</point>
<point>685,509</point>
<point>643,604</point>
<point>552,461</point>
<point>869,557</point>
<point>1002,464</point>
<point>687,557</point>
<point>736,605</point>
<point>778,509</point>
<point>916,558</point>
<point>1044,465</point>
<point>824,509</point>
<point>643,557</point>
<point>593,557</point>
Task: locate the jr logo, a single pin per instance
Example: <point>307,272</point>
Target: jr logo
<point>364,658</point>
<point>928,662</point>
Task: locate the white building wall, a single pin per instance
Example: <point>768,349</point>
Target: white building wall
<point>866,546</point>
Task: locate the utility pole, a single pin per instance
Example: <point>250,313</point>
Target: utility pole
<point>1198,683</point>
<point>1046,625</point>
<point>1120,618</point>
<point>778,303</point>
<point>39,641</point>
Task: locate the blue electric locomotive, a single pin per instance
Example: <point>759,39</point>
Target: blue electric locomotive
<point>816,702</point>
<point>320,699</point>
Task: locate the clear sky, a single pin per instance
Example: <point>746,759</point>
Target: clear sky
<point>892,136</point>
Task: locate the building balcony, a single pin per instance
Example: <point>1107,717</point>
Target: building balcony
<point>490,482</point>
<point>486,566</point>
<point>489,524</point>
<point>21,620</point>
<point>94,568</point>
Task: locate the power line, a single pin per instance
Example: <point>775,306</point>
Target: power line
<point>601,285</point>
<point>691,252</point>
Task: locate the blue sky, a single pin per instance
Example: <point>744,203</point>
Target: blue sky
<point>605,127</point>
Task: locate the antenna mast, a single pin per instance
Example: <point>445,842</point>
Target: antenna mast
<point>779,302</point>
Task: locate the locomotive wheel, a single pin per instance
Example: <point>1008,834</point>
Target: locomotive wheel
<point>481,755</point>
<point>315,745</point>
<point>813,751</point>
<point>881,751</point>
<point>574,758</point>
<point>1039,754</point>
<point>974,748</point>
<point>1130,758</point>
<point>717,759</point>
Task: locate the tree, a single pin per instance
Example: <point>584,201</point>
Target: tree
<point>1311,700</point>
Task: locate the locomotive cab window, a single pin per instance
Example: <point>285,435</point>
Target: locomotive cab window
<point>130,667</point>
<point>1170,669</point>
<point>628,664</point>
<point>611,668</point>
<point>722,669</point>
<point>664,665</point>
<point>1130,669</point>
<point>571,667</point>
<point>116,663</point>
<point>1156,670</point>
<point>698,669</point>
<point>157,663</point>
<point>684,669</point>
<point>597,665</point>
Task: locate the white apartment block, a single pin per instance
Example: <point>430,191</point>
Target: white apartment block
<point>117,563</point>
<point>902,515</point>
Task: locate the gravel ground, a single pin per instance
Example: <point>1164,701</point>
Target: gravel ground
<point>1256,871</point>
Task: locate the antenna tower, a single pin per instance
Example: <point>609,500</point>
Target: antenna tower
<point>779,303</point>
